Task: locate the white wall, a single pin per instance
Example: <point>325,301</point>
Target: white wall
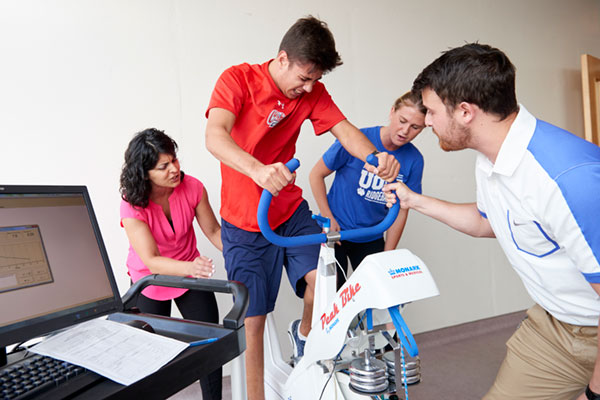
<point>78,78</point>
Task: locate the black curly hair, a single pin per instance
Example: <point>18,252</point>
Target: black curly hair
<point>141,156</point>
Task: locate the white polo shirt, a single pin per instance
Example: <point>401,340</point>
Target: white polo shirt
<point>542,199</point>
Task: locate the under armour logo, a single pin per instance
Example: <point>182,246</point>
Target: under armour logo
<point>280,104</point>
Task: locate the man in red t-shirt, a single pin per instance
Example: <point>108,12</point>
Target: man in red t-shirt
<point>254,119</point>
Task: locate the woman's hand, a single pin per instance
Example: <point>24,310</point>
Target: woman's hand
<point>333,226</point>
<point>202,267</point>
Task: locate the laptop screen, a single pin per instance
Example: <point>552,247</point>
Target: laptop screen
<point>54,269</point>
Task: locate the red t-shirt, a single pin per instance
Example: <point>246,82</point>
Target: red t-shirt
<point>267,126</point>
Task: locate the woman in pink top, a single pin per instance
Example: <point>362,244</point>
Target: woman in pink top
<point>158,207</point>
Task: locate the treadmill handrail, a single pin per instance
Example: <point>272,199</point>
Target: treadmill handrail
<point>234,318</point>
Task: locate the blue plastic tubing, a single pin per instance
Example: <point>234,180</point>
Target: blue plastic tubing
<point>353,234</point>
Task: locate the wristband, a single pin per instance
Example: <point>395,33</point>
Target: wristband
<point>375,152</point>
<point>591,395</point>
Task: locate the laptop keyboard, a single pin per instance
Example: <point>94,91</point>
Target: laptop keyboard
<point>36,375</point>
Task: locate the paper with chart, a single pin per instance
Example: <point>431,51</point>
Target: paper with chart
<point>117,351</point>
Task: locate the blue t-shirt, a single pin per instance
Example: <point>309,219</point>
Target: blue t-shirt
<point>355,198</point>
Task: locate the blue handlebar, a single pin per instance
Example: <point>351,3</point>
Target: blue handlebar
<point>265,228</point>
<point>293,164</point>
<point>372,159</point>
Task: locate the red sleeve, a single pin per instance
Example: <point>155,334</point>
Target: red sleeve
<point>325,114</point>
<point>230,91</point>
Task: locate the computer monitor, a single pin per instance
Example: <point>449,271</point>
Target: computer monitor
<point>54,269</point>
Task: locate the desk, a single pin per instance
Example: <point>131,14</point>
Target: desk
<point>188,366</point>
<point>185,368</point>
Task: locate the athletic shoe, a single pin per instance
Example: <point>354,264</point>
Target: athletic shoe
<point>297,343</point>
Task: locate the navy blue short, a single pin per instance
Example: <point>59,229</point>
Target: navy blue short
<point>257,263</point>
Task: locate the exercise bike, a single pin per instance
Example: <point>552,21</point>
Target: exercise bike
<point>352,325</point>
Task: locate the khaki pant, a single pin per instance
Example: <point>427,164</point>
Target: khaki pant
<point>546,359</point>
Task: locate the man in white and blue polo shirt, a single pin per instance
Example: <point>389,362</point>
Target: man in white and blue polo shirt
<point>538,193</point>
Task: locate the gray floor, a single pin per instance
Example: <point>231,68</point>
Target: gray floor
<point>461,362</point>
<point>457,363</point>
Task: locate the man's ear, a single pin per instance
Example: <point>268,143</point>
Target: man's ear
<point>466,112</point>
<point>282,59</point>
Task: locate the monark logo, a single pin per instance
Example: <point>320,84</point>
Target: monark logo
<point>404,271</point>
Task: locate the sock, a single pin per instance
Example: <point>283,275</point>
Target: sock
<point>300,335</point>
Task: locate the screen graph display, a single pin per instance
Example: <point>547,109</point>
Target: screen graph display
<point>23,260</point>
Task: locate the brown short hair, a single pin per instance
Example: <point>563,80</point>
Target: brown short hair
<point>309,40</point>
<point>474,73</point>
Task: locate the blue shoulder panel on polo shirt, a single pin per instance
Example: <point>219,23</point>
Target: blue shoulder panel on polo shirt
<point>573,163</point>
<point>592,278</point>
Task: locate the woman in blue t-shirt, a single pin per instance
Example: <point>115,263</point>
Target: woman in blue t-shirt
<point>355,199</point>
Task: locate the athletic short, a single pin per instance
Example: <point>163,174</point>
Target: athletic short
<point>257,263</point>
<point>356,252</point>
<point>546,359</point>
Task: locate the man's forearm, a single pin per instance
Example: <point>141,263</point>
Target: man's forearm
<point>273,177</point>
<point>464,218</point>
<point>394,233</point>
<point>353,140</point>
<point>319,190</point>
<point>224,148</point>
